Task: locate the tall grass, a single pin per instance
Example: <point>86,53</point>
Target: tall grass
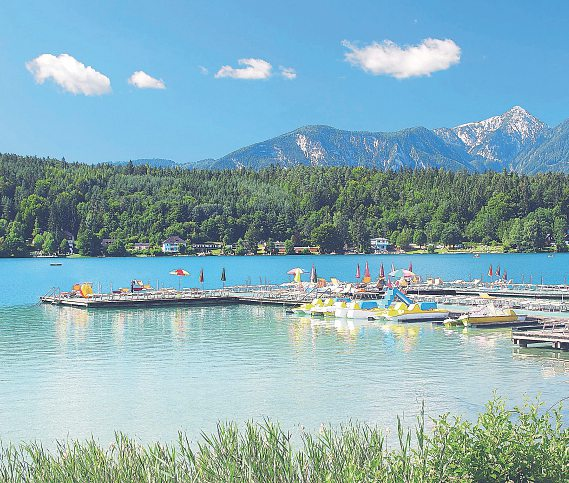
<point>519,445</point>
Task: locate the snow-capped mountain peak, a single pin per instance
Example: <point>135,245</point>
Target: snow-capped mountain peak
<point>500,138</point>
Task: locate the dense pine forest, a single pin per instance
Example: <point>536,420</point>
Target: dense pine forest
<point>41,199</point>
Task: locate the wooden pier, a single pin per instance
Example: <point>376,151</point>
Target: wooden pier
<point>555,333</point>
<point>152,298</point>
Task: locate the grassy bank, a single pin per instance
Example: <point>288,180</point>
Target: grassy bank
<point>523,444</point>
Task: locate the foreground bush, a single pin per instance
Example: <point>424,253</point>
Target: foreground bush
<point>524,444</point>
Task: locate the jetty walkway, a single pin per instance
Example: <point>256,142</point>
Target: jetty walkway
<point>268,294</point>
<point>556,334</point>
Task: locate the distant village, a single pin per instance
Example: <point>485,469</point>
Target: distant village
<point>176,245</point>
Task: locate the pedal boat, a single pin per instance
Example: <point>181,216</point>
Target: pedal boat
<point>423,311</point>
<point>490,315</point>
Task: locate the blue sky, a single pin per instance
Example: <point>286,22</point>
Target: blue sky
<point>498,54</point>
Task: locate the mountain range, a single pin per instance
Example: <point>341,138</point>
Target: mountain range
<point>514,141</point>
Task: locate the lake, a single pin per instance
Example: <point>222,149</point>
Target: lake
<point>151,372</point>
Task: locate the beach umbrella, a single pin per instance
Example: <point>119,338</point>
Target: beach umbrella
<point>223,276</point>
<point>180,272</point>
<point>401,273</point>
<point>358,275</point>
<point>201,277</point>
<point>392,267</point>
<point>294,271</point>
<point>381,272</point>
<point>490,272</point>
<point>505,274</point>
<point>410,266</point>
<point>313,276</point>
<point>367,276</point>
<point>389,284</point>
<point>497,273</point>
<point>297,275</point>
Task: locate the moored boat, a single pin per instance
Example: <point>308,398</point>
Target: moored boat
<point>305,309</point>
<point>491,315</point>
<point>416,312</point>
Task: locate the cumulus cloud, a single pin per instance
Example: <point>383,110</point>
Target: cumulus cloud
<point>288,72</point>
<point>142,80</point>
<point>388,58</point>
<point>252,69</point>
<point>67,72</point>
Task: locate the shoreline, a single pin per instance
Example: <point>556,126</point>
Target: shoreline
<point>414,252</point>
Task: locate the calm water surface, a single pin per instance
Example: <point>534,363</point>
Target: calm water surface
<point>71,372</point>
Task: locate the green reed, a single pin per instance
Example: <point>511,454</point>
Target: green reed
<point>526,443</point>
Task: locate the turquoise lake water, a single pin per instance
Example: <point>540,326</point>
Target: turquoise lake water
<point>151,372</point>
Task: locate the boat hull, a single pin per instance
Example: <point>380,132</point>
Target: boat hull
<point>420,316</point>
<point>491,320</point>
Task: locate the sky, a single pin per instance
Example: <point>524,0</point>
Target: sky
<point>115,80</point>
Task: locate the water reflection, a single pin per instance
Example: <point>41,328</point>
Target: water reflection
<point>408,334</point>
<point>70,322</point>
<point>553,362</point>
<point>352,330</point>
<point>153,371</point>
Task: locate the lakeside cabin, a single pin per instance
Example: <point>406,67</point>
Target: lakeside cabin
<point>173,244</point>
<point>380,245</point>
<point>138,247</point>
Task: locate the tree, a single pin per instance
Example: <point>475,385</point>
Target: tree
<point>419,238</point>
<point>37,242</point>
<point>49,246</point>
<point>88,243</point>
<point>117,249</point>
<point>326,236</point>
<point>64,247</point>
<point>252,238</point>
<point>289,247</point>
<point>404,238</point>
<point>450,235</point>
<point>240,247</point>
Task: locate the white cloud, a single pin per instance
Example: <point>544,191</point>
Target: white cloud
<point>253,69</point>
<point>203,70</point>
<point>288,72</point>
<point>142,80</point>
<point>70,74</point>
<point>388,58</point>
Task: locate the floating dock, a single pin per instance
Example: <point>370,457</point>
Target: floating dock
<point>525,291</point>
<point>555,334</point>
<point>152,298</point>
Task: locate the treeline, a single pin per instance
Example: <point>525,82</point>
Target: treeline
<point>41,199</point>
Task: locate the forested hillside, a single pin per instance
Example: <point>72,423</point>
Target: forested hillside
<point>328,206</point>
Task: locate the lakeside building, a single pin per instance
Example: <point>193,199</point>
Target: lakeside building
<point>70,240</point>
<point>280,249</point>
<point>105,242</point>
<point>312,250</point>
<point>207,247</point>
<point>379,245</point>
<point>173,244</point>
<point>141,246</point>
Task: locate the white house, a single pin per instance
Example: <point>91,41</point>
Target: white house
<point>173,244</point>
<point>379,244</point>
<point>70,240</point>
